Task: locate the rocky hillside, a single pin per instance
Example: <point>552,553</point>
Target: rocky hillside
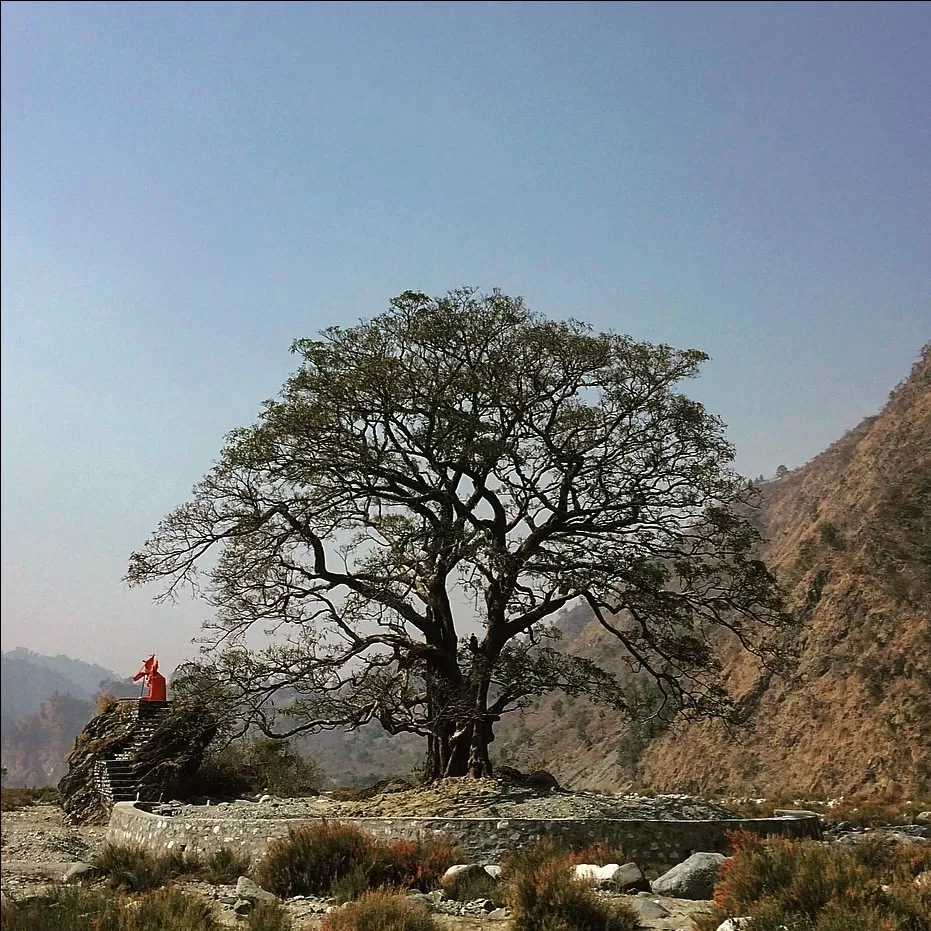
<point>849,535</point>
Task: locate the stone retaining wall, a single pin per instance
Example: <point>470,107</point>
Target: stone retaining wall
<point>485,840</point>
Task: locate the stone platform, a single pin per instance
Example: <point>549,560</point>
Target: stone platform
<point>250,826</point>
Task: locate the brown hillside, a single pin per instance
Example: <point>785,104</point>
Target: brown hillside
<point>850,539</point>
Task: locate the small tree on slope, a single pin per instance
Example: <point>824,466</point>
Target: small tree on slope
<point>429,489</point>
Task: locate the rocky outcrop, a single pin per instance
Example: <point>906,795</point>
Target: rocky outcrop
<point>133,750</point>
<point>694,878</point>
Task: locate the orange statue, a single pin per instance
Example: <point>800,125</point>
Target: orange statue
<point>153,679</point>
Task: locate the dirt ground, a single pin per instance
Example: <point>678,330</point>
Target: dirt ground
<point>38,849</point>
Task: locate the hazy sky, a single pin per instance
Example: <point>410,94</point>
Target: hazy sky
<point>187,187</point>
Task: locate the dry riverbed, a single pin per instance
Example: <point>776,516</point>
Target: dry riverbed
<point>38,849</point>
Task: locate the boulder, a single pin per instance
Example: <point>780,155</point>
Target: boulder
<point>629,878</point>
<point>242,907</point>
<point>649,910</point>
<point>493,870</point>
<point>462,871</point>
<point>78,872</point>
<point>694,878</point>
<point>736,924</point>
<point>247,889</point>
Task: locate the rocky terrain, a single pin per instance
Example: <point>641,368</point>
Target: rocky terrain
<point>38,849</point>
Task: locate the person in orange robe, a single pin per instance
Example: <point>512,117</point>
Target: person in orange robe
<point>153,678</point>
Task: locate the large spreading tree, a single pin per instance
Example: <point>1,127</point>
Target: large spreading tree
<point>430,488</point>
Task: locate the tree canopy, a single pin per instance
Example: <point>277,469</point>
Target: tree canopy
<point>429,489</point>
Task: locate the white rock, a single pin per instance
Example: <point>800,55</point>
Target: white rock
<point>493,870</point>
<point>591,873</point>
<point>735,924</point>
<point>459,869</point>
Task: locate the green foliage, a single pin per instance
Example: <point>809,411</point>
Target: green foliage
<point>15,799</point>
<point>250,768</point>
<point>464,440</point>
<point>544,895</point>
<point>380,911</point>
<point>340,860</point>
<point>84,909</point>
<point>817,887</point>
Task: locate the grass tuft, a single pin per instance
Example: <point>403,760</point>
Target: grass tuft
<point>380,911</point>
<point>83,909</point>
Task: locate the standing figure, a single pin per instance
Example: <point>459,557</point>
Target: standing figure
<point>153,679</point>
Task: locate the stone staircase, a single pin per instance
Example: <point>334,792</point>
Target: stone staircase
<point>114,776</point>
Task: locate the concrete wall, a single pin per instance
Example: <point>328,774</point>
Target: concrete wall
<point>485,840</point>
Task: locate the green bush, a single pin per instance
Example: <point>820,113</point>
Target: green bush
<point>544,895</point>
<point>380,911</point>
<point>260,766</point>
<point>339,860</point>
<point>810,886</point>
<point>84,909</point>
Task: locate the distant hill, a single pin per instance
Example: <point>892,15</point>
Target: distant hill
<point>25,685</point>
<point>46,700</point>
<point>86,676</point>
<point>849,536</point>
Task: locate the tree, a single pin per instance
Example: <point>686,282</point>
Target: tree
<point>782,471</point>
<point>463,464</point>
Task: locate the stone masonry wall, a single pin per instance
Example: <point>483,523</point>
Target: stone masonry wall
<point>485,840</point>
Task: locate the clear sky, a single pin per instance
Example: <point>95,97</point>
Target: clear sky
<point>187,187</point>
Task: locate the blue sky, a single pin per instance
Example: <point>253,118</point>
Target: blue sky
<point>187,187</point>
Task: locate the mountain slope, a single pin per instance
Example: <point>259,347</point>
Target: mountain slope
<point>850,539</point>
<point>849,536</point>
<point>85,676</point>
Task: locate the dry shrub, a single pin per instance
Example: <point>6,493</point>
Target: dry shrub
<point>269,916</point>
<point>817,887</point>
<point>105,703</point>
<point>335,859</point>
<point>135,869</point>
<point>409,864</point>
<point>380,911</point>
<point>311,859</point>
<point>15,799</point>
<point>474,884</point>
<point>82,909</point>
<point>544,895</point>
<point>225,866</point>
<point>600,854</point>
